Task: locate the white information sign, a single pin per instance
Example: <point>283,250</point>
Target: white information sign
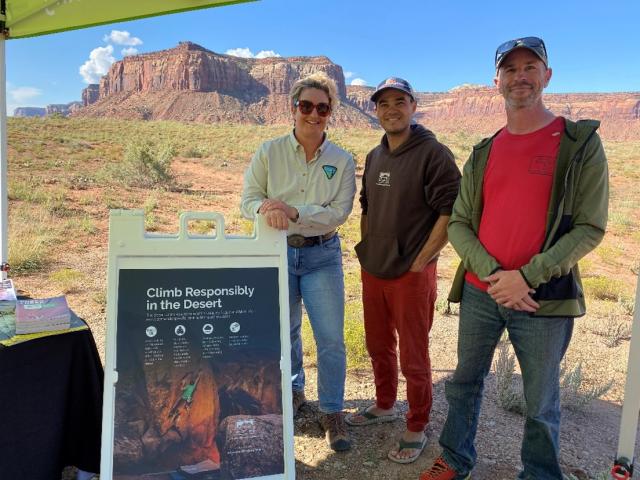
<point>198,374</point>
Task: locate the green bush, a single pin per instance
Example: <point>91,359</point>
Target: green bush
<point>147,165</point>
<point>603,288</point>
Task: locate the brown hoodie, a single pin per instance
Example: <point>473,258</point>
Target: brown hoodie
<point>403,194</point>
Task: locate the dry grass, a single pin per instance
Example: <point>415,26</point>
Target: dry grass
<point>60,198</point>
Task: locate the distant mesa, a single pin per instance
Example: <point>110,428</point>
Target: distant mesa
<point>63,109</point>
<point>30,112</point>
<point>192,84</point>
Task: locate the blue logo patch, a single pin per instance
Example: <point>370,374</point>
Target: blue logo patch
<point>329,171</point>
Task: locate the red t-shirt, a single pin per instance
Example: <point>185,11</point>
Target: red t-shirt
<point>516,190</point>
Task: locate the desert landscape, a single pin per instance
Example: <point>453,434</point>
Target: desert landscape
<point>173,131</point>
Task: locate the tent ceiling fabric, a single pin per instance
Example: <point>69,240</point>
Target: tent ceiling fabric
<point>26,18</point>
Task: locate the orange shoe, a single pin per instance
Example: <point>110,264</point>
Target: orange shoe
<point>440,470</point>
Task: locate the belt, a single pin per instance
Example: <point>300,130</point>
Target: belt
<point>299,241</point>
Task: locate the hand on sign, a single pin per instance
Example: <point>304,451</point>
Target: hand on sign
<point>273,204</point>
<point>509,289</point>
<point>276,219</point>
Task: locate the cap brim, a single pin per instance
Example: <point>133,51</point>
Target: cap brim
<point>502,59</point>
<point>377,93</point>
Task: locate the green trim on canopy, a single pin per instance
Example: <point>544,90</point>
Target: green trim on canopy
<point>28,18</point>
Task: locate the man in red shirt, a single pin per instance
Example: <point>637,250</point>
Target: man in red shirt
<point>533,201</point>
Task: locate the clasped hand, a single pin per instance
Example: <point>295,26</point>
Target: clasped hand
<point>509,289</point>
<point>277,213</point>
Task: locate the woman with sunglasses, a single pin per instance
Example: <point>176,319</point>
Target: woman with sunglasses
<point>304,184</point>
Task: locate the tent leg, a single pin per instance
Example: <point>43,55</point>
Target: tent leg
<point>4,200</point>
<point>631,405</point>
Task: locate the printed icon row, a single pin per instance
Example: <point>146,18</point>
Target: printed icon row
<point>180,330</point>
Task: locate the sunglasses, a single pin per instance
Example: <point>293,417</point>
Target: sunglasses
<point>533,43</point>
<point>306,107</point>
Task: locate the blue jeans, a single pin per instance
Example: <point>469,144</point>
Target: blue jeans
<point>315,278</point>
<point>539,344</point>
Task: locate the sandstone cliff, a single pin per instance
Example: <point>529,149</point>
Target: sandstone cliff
<point>191,83</point>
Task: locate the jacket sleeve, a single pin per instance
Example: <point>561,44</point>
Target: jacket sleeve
<point>254,190</point>
<point>462,235</point>
<point>588,223</point>
<point>442,181</point>
<point>334,213</point>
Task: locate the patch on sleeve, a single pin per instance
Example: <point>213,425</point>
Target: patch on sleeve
<point>329,171</point>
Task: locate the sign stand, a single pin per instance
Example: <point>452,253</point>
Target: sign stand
<point>623,467</point>
<point>198,370</point>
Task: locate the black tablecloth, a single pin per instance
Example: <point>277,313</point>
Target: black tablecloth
<point>50,406</point>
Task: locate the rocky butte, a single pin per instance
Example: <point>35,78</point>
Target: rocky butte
<point>191,83</point>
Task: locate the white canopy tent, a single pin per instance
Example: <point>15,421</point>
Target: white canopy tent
<point>27,18</point>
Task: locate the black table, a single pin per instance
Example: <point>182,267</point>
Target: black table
<point>50,406</point>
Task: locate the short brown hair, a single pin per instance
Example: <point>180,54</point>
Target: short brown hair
<point>319,80</point>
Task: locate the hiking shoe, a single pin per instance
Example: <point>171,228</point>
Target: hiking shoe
<point>440,470</point>
<point>335,431</point>
<point>298,400</point>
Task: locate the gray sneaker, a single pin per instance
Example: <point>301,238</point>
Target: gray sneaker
<point>298,400</point>
<point>335,431</point>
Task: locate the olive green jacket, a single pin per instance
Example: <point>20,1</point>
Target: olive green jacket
<point>576,221</point>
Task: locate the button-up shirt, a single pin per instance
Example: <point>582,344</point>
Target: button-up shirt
<point>321,189</point>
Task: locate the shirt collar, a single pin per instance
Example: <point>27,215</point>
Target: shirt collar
<point>296,144</point>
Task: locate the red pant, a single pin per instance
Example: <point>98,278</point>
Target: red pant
<point>403,305</point>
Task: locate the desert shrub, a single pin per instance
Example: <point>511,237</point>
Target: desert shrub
<point>573,394</point>
<point>510,396</point>
<point>68,279</point>
<point>147,165</point>
<point>194,152</point>
<point>150,220</point>
<point>603,288</point>
<point>613,330</point>
<point>627,304</point>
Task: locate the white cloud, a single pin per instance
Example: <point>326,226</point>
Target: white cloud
<point>267,54</point>
<point>21,97</point>
<point>100,59</point>
<point>348,75</point>
<point>246,53</point>
<point>122,37</point>
<point>23,94</point>
<point>360,82</point>
<point>240,52</point>
<point>129,51</point>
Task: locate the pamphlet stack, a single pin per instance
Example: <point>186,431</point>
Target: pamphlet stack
<point>40,315</point>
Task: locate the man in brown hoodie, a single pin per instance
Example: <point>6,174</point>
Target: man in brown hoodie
<point>409,185</point>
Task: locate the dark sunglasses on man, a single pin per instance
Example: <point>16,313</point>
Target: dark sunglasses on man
<point>534,44</point>
<point>306,107</point>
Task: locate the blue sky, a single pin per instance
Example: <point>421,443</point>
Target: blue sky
<point>594,46</point>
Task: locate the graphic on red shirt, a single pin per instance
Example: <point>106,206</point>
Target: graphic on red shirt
<point>516,189</point>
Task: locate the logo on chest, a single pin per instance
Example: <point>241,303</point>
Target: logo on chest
<point>542,165</point>
<point>384,179</point>
<point>329,171</point>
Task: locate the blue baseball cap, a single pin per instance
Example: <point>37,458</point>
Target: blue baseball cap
<point>396,83</point>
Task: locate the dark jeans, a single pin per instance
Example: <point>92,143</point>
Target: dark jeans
<point>539,344</point>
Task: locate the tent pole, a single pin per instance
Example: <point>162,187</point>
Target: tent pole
<point>631,405</point>
<point>4,200</point>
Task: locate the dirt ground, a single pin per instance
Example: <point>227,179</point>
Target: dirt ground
<point>588,439</point>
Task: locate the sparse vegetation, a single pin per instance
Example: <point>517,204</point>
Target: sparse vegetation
<point>67,279</point>
<point>613,330</point>
<point>603,288</point>
<point>574,394</point>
